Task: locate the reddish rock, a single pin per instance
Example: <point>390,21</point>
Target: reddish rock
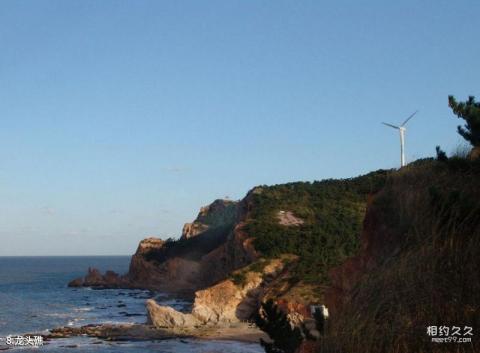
<point>377,243</point>
<point>77,282</point>
<point>94,278</point>
<point>186,270</point>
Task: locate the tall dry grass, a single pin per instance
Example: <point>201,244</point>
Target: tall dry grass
<point>432,275</point>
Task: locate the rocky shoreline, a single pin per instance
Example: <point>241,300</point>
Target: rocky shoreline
<point>215,264</point>
<point>220,312</point>
<point>242,332</point>
<point>198,267</point>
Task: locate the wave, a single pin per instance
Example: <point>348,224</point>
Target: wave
<point>82,309</point>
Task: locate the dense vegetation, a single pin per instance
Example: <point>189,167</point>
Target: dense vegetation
<point>332,212</point>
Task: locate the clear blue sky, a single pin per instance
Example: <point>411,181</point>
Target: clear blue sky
<point>119,119</point>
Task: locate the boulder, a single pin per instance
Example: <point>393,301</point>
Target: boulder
<point>167,317</point>
<point>220,302</point>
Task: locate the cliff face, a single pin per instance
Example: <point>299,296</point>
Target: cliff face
<point>217,214</point>
<point>224,302</point>
<point>210,247</point>
<point>175,273</point>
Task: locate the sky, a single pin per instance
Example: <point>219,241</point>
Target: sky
<point>120,119</point>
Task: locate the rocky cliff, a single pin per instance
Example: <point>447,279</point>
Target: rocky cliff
<point>210,247</point>
<point>217,214</point>
<point>226,302</point>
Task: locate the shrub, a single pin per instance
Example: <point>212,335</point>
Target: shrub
<point>239,278</point>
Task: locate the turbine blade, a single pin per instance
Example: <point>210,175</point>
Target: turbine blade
<point>395,127</point>
<point>411,116</point>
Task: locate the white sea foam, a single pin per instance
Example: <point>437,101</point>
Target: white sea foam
<point>59,315</point>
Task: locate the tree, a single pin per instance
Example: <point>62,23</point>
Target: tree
<point>441,155</point>
<point>470,112</point>
<point>285,338</point>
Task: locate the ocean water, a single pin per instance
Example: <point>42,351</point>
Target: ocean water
<point>34,297</point>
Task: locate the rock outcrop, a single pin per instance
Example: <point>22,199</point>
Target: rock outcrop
<point>192,229</point>
<point>96,279</point>
<point>287,218</point>
<point>224,303</point>
<point>175,273</point>
<point>210,248</point>
<point>217,214</point>
<point>227,302</point>
<point>167,317</point>
<point>149,244</point>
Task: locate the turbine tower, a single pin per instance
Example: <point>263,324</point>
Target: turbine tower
<point>402,130</point>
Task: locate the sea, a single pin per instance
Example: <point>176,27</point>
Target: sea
<point>34,298</point>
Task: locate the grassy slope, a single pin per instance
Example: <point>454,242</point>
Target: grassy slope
<point>433,209</point>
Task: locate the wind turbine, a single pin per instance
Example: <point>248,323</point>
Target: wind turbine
<point>402,130</point>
